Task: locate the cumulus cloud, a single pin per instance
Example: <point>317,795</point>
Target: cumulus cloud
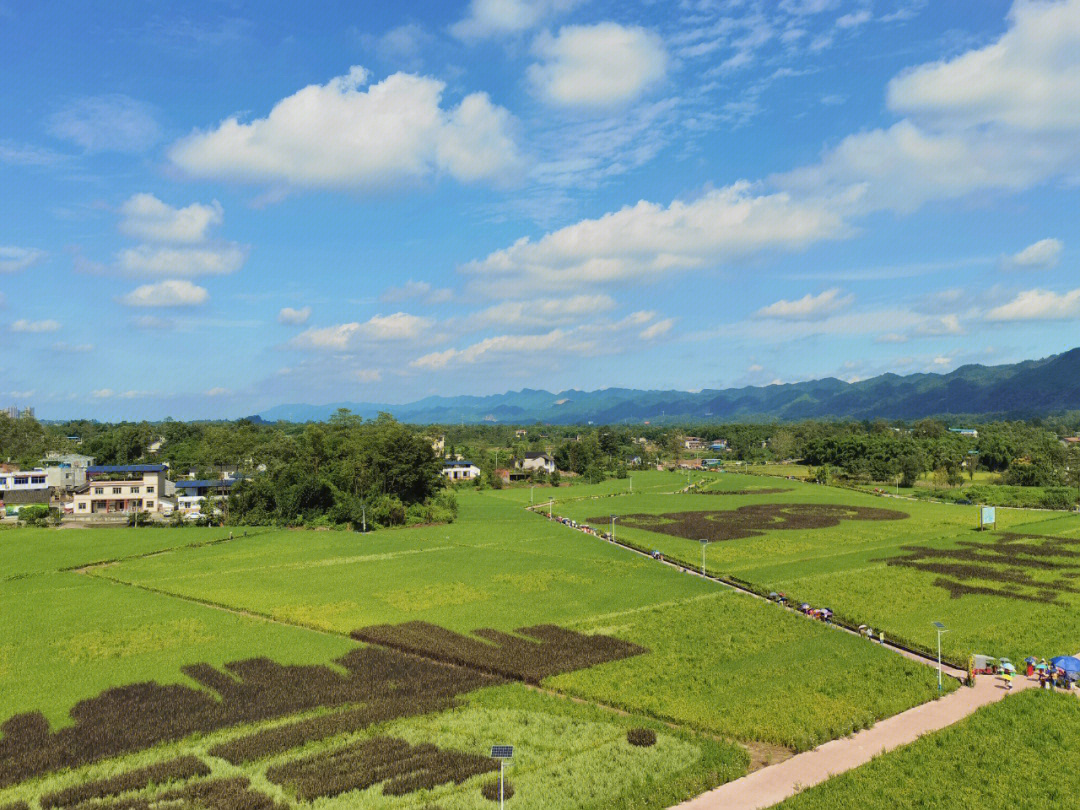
<point>1003,117</point>
<point>209,260</point>
<point>396,327</point>
<point>114,123</point>
<point>494,18</point>
<point>647,240</point>
<point>103,393</point>
<point>13,259</point>
<point>1038,305</point>
<point>294,317</point>
<point>808,307</point>
<point>166,294</point>
<point>597,66</point>
<point>1037,256</point>
<point>340,135</point>
<point>144,216</point>
<point>35,327</point>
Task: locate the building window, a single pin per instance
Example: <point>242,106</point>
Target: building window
<point>149,504</point>
<point>149,490</point>
<point>37,480</point>
<point>134,490</point>
<point>22,480</point>
<point>82,505</point>
<point>99,490</point>
<point>117,490</point>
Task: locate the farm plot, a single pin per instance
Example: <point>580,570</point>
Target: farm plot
<point>1019,752</point>
<point>1013,592</point>
<point>357,751</point>
<point>733,665</point>
<point>66,637</point>
<point>498,566</point>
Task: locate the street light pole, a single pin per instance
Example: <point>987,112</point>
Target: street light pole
<point>613,528</point>
<point>704,543</point>
<point>940,629</point>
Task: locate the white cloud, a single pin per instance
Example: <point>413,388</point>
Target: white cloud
<point>13,259</point>
<point>147,217</point>
<point>942,360</point>
<point>35,327</point>
<point>294,317</point>
<point>808,307</point>
<point>657,329</point>
<point>365,375</point>
<point>209,260</point>
<point>493,18</point>
<point>106,123</point>
<point>154,322</point>
<point>417,289</point>
<point>854,19</point>
<point>396,327</point>
<point>1037,256</point>
<point>1028,80</point>
<point>166,294</point>
<point>339,135</point>
<point>650,241</point>
<point>597,66</point>
<point>1003,117</point>
<point>1038,305</point>
<point>543,311</point>
<point>217,392</point>
<point>103,393</point>
<point>501,346</point>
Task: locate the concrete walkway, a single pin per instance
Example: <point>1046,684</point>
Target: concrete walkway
<point>775,783</point>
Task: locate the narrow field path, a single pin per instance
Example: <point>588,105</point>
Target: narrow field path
<point>776,783</point>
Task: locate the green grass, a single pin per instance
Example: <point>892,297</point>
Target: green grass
<point>1020,752</point>
<point>845,567</point>
<point>737,666</point>
<point>498,566</point>
<point>34,551</point>
<point>66,637</point>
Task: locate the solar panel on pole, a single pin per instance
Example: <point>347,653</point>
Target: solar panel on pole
<point>502,752</point>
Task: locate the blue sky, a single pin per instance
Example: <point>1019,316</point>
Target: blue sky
<point>211,208</point>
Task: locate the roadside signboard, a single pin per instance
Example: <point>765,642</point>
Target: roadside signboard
<point>987,517</point>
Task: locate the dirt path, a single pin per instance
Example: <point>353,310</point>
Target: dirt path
<point>771,785</point>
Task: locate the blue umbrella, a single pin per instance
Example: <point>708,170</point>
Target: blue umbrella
<point>1031,659</point>
<point>1068,663</point>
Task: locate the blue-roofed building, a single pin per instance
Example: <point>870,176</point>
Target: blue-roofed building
<point>122,489</point>
<point>191,495</point>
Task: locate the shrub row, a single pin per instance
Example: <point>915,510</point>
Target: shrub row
<point>232,793</point>
<point>159,773</point>
<point>138,716</point>
<point>402,768</point>
<point>549,650</point>
<point>752,520</point>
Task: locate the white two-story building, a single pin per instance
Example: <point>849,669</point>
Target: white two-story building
<point>122,489</point>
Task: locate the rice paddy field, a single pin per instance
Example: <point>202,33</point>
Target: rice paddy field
<point>181,667</point>
<point>894,564</point>
<point>1016,753</point>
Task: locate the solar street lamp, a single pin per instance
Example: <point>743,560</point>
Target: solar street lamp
<point>704,543</point>
<point>502,753</point>
<point>613,519</point>
<point>940,629</point>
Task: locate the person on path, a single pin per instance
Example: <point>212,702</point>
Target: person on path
<point>881,636</point>
<point>1008,680</point>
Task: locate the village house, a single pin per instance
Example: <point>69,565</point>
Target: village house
<point>535,462</point>
<point>121,489</point>
<point>460,470</point>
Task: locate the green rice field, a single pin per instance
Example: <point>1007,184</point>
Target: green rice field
<point>347,670</point>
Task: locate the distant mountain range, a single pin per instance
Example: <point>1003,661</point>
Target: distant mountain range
<point>1021,390</point>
